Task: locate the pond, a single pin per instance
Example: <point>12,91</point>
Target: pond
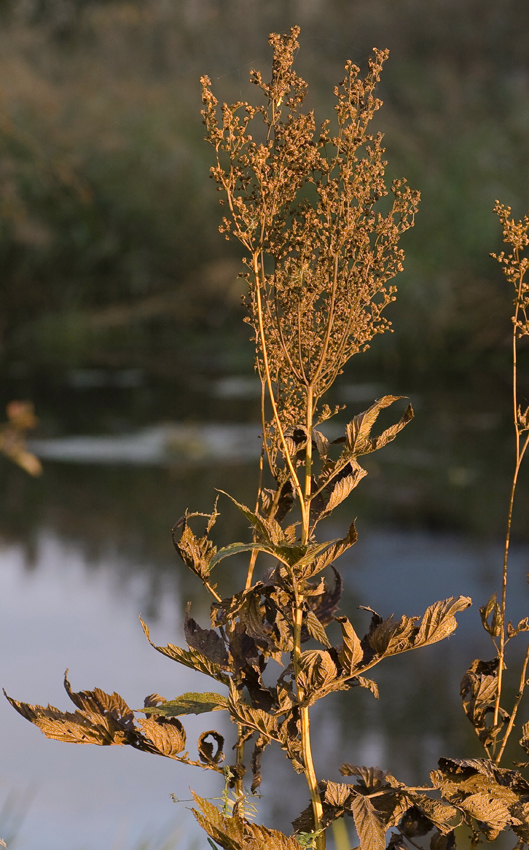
<point>87,548</point>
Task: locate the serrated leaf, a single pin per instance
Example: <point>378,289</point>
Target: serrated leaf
<point>316,630</point>
<point>268,529</point>
<point>440,813</point>
<point>371,831</point>
<point>206,641</point>
<point>237,548</point>
<point>189,703</point>
<point>254,718</point>
<point>352,652</point>
<point>336,793</point>
<point>493,815</point>
<point>345,485</point>
<point>168,739</point>
<point>322,443</point>
<point>369,684</point>
<point>189,658</point>
<point>439,621</point>
<point>359,429</point>
<point>68,727</point>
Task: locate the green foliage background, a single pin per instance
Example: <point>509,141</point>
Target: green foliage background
<point>108,228</point>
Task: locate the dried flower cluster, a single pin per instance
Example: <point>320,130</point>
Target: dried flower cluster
<point>304,202</point>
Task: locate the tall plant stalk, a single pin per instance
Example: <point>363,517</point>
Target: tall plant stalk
<point>321,233</point>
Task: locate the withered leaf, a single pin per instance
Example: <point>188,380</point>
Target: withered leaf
<point>370,828</point>
<point>317,670</point>
<point>269,530</point>
<point>352,653</point>
<point>189,703</point>
<point>211,751</point>
<point>325,605</point>
<point>373,778</point>
<point>493,627</point>
<point>321,442</point>
<point>99,702</point>
<point>333,552</point>
<point>68,727</point>
<point>336,793</point>
<point>254,718</point>
<point>359,429</point>
<point>439,621</point>
<point>236,833</point>
<point>168,739</point>
<point>523,626</point>
<point>225,831</point>
<point>492,814</point>
<point>520,820</point>
<point>440,813</point>
<point>196,552</point>
<point>207,641</point>
<point>189,658</point>
<point>347,480</point>
<point>369,684</point>
<point>478,694</point>
<point>316,629</point>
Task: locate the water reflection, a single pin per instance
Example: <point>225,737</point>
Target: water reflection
<point>87,548</point>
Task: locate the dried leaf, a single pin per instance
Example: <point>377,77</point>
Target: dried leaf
<point>372,778</point>
<point>520,816</point>
<point>206,749</point>
<point>189,658</point>
<point>523,626</point>
<point>348,479</point>
<point>369,684</point>
<point>391,637</point>
<point>337,793</point>
<point>492,815</point>
<point>269,530</point>
<point>321,442</point>
<point>235,833</point>
<point>316,630</point>
<point>359,429</point>
<point>254,718</point>
<point>441,814</point>
<point>207,641</point>
<point>333,552</point>
<point>494,626</point>
<point>478,693</point>
<point>168,738</point>
<point>317,670</point>
<point>371,831</point>
<point>439,621</point>
<point>65,726</point>
<point>351,653</point>
<point>196,552</point>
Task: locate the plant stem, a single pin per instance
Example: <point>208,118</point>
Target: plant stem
<point>514,712</point>
<point>520,452</point>
<point>310,773</point>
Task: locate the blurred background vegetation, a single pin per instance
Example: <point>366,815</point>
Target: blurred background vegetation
<point>109,247</point>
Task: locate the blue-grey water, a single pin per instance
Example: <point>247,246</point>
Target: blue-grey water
<point>87,549</point>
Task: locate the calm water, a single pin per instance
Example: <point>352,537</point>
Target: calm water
<point>87,548</point>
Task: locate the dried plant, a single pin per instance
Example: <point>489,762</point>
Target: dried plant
<point>21,418</point>
<point>321,233</point>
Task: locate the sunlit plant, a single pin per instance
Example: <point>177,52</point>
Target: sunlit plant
<point>321,233</point>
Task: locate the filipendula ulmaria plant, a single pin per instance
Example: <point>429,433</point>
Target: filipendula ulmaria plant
<point>321,255</point>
